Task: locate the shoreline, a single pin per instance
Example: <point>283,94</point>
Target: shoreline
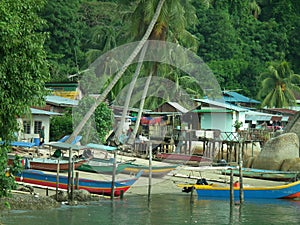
<point>38,199</point>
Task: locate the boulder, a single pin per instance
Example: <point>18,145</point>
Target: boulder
<point>291,165</point>
<point>293,126</point>
<point>276,150</point>
<point>82,195</point>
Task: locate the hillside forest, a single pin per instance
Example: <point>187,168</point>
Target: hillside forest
<point>238,39</point>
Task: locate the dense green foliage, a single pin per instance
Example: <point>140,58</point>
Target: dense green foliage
<point>98,126</point>
<point>279,86</point>
<point>64,37</point>
<point>61,125</point>
<point>237,39</point>
<point>23,70</point>
<point>104,121</point>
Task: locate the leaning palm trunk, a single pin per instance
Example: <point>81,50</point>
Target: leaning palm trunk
<point>130,90</point>
<point>141,107</point>
<point>119,74</point>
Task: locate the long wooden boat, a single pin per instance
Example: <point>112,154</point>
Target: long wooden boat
<point>45,179</point>
<point>275,175</point>
<point>102,166</point>
<point>182,157</point>
<point>47,164</point>
<point>157,171</point>
<point>286,191</point>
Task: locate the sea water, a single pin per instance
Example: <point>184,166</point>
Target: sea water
<point>162,209</point>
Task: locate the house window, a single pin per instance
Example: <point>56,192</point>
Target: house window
<point>26,127</point>
<point>37,126</point>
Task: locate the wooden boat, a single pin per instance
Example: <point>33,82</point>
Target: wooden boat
<point>157,171</point>
<point>275,175</point>
<point>46,179</point>
<point>47,164</point>
<point>102,166</point>
<point>286,191</point>
<point>182,157</point>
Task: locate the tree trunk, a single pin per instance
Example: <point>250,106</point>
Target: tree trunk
<point>138,119</point>
<point>130,90</point>
<point>102,97</point>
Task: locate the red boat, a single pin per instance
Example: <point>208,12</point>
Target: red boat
<point>102,187</point>
<point>47,164</point>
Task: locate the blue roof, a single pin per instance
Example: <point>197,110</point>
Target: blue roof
<point>222,104</point>
<point>230,96</point>
<point>43,112</point>
<point>61,101</point>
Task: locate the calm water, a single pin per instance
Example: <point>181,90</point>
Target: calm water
<point>163,209</point>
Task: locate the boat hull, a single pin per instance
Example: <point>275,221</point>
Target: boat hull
<point>40,178</point>
<point>99,167</point>
<point>157,171</point>
<point>182,157</point>
<point>287,191</point>
<point>264,174</point>
<point>48,164</point>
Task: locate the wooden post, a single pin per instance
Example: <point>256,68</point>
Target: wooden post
<point>113,176</point>
<point>241,173</point>
<point>192,194</point>
<point>231,188</point>
<point>72,180</point>
<point>69,171</point>
<point>57,179</point>
<point>150,171</point>
<point>77,180</point>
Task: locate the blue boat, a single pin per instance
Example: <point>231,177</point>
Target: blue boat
<point>285,191</point>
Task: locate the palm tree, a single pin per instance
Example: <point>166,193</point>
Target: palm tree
<point>171,25</point>
<point>136,51</point>
<point>279,85</point>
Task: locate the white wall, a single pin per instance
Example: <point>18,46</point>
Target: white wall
<point>28,137</point>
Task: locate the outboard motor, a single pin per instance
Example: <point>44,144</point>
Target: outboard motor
<point>202,181</point>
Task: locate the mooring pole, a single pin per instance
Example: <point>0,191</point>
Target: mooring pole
<point>113,176</point>
<point>57,179</point>
<point>69,171</point>
<point>241,146</point>
<point>231,188</point>
<point>72,180</point>
<point>150,171</point>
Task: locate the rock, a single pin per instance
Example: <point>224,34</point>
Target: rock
<point>293,126</point>
<point>291,165</point>
<point>62,196</point>
<point>82,195</point>
<point>27,202</point>
<point>276,150</point>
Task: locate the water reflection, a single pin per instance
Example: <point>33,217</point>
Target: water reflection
<point>162,209</point>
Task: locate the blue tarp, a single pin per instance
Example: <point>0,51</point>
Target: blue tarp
<point>20,144</point>
<point>65,138</point>
<point>101,147</point>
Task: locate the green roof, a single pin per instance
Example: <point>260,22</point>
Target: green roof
<point>212,110</point>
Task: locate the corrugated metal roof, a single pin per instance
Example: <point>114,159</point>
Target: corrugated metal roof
<point>212,110</point>
<point>61,101</point>
<point>178,107</point>
<point>43,112</point>
<point>222,104</point>
<point>259,116</point>
<point>230,96</point>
